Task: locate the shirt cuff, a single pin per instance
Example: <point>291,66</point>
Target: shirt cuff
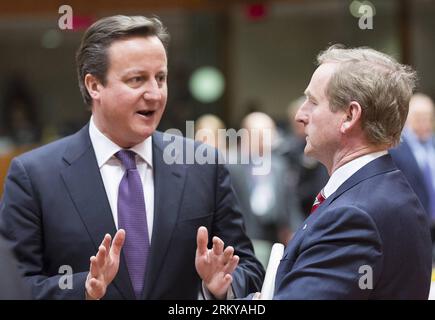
<point>207,295</point>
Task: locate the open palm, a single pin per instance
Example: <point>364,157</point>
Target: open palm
<point>104,266</point>
<point>215,265</point>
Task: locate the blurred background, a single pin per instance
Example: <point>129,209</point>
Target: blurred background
<point>227,59</point>
<point>260,55</point>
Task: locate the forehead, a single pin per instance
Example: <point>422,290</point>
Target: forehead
<point>133,49</point>
<point>421,106</point>
<point>320,79</point>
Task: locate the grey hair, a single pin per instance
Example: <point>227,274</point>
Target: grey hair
<point>382,86</point>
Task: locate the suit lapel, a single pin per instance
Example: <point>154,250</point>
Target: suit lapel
<point>85,186</point>
<point>378,166</point>
<point>169,182</point>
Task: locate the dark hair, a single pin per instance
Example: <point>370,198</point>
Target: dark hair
<point>92,57</point>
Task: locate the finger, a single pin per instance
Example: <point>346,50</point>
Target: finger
<point>228,253</point>
<point>232,264</point>
<point>106,242</point>
<point>94,269</point>
<point>257,296</point>
<point>101,256</point>
<point>96,289</point>
<point>202,241</point>
<point>93,284</point>
<point>118,242</point>
<point>227,280</point>
<point>218,246</point>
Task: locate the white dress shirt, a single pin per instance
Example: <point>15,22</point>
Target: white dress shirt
<point>112,171</point>
<point>347,170</point>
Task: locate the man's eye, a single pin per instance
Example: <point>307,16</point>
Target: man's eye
<point>135,80</point>
<point>161,78</point>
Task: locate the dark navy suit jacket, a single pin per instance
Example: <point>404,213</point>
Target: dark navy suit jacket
<point>56,212</point>
<point>373,224</point>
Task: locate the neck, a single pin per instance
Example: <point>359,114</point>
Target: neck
<point>119,142</point>
<point>344,156</point>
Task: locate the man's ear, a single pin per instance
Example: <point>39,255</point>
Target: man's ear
<point>93,86</point>
<point>352,116</point>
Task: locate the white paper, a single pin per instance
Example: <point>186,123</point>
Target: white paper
<point>272,267</point>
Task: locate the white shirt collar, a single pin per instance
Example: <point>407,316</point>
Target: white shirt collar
<point>106,148</point>
<point>343,173</point>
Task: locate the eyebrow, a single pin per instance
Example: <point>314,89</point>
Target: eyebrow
<point>140,71</point>
<point>134,70</point>
<point>308,94</point>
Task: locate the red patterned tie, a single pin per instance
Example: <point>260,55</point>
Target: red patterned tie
<point>319,199</point>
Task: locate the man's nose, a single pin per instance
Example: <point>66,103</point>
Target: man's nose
<point>301,115</point>
<point>152,91</point>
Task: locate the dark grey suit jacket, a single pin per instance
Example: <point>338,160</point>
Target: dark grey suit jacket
<point>56,212</point>
<point>12,285</point>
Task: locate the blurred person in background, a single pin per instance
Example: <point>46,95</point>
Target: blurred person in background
<point>6,144</point>
<point>20,130</point>
<point>415,155</point>
<point>207,129</point>
<point>268,203</point>
<point>19,114</point>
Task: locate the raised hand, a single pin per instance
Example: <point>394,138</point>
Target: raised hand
<point>104,266</point>
<point>215,265</point>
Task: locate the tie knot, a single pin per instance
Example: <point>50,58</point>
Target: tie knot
<point>127,158</point>
<point>318,201</point>
<point>320,196</point>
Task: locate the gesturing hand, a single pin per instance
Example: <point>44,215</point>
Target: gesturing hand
<point>215,265</point>
<point>104,266</point>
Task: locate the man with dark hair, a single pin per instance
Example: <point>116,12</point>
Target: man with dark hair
<point>111,179</point>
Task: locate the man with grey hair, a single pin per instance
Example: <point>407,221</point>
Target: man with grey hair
<point>415,155</point>
<point>64,202</point>
<point>367,236</point>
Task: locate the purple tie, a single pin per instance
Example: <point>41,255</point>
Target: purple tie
<point>132,218</point>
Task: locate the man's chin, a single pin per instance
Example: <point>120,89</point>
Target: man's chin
<point>136,138</point>
<point>145,131</point>
<point>307,150</point>
<point>146,134</point>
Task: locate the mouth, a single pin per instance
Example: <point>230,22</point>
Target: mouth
<point>145,113</point>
